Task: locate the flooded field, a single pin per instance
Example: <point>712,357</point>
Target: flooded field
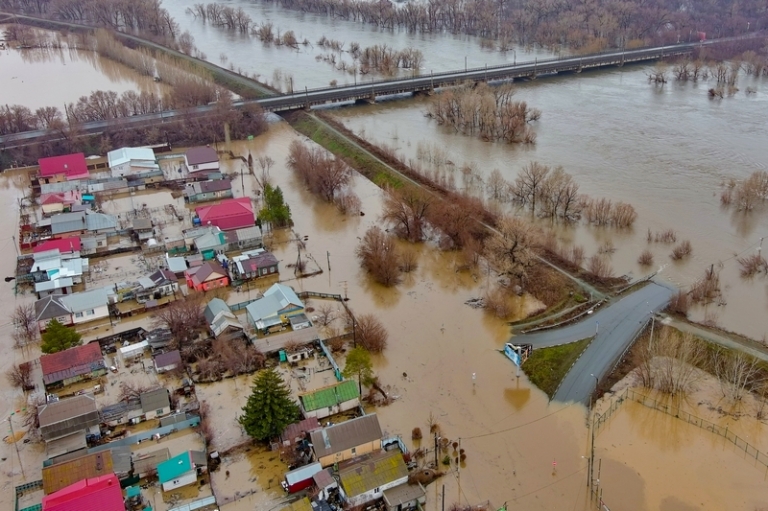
<point>26,76</point>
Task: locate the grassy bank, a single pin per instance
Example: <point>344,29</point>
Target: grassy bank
<point>546,367</point>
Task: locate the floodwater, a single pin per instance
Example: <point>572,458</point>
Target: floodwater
<point>665,150</point>
<point>39,77</point>
<point>280,66</point>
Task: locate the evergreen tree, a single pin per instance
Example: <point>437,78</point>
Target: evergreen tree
<point>275,210</point>
<point>57,338</point>
<point>269,408</point>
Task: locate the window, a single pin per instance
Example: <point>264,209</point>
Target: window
<point>377,490</point>
<point>89,312</point>
<point>78,314</point>
<point>354,451</point>
<point>159,412</point>
<point>271,269</point>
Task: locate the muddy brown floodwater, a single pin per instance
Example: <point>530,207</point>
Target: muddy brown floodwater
<point>520,448</point>
<point>27,76</point>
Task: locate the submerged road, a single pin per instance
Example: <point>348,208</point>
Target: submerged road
<point>616,326</point>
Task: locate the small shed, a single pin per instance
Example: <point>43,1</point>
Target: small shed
<point>133,351</point>
<point>405,497</point>
<point>300,321</point>
<point>301,478</point>
<point>165,362</point>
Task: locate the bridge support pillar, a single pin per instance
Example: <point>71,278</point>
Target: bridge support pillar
<point>365,101</point>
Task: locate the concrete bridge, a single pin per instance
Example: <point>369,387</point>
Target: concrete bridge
<point>369,91</point>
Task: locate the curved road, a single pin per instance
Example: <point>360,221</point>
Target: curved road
<point>616,325</point>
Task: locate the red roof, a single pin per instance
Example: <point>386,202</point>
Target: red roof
<point>228,215</point>
<point>64,245</point>
<point>101,493</point>
<point>72,362</point>
<point>71,165</point>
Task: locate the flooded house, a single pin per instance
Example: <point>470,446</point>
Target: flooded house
<point>222,323</point>
<point>132,161</point>
<point>169,361</point>
<point>88,305</point>
<point>330,400</point>
<point>181,470</point>
<point>60,202</point>
<point>201,159</point>
<point>102,493</point>
<point>49,308</point>
<point>227,215</point>
<point>366,481</point>
<point>209,275</point>
<point>211,190</point>
<point>65,424</point>
<point>69,248</point>
<point>155,403</point>
<point>347,440</point>
<point>53,273</point>
<point>252,265</point>
<point>69,167</point>
<point>73,365</point>
<point>159,284</point>
<point>274,308</point>
<point>146,464</point>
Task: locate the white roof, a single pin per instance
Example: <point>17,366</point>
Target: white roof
<point>134,347</point>
<point>92,299</point>
<point>126,154</point>
<point>176,264</point>
<point>50,285</point>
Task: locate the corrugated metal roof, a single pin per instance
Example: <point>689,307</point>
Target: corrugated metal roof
<point>330,396</point>
<point>297,429</point>
<point>86,300</point>
<point>168,359</point>
<point>72,362</point>
<point>174,467</point>
<point>303,473</point>
<point>148,462</point>
<point>50,307</point>
<point>126,154</point>
<point>373,473</point>
<point>404,494</point>
<point>98,494</point>
<point>155,400</point>
<point>214,307</point>
<point>66,409</point>
<point>346,435</point>
<point>60,475</point>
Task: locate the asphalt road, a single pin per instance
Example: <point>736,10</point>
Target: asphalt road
<point>616,325</point>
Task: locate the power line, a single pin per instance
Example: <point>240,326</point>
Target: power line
<point>518,425</point>
<point>550,484</point>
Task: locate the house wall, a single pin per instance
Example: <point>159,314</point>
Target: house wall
<point>153,414</point>
<point>61,291</point>
<point>199,168</point>
<point>166,368</point>
<point>81,377</point>
<point>93,314</point>
<point>188,478</point>
<point>64,320</point>
<point>210,284</point>
<point>376,493</point>
<point>327,461</point>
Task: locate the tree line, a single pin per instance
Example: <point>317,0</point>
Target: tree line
<point>588,25</point>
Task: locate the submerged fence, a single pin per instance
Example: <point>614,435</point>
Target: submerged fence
<point>750,451</point>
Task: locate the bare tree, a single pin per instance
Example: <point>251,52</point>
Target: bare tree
<point>184,318</point>
<point>669,362</point>
<point>737,373</point>
<point>528,185</point>
<point>600,267</point>
<point>511,249</point>
<point>326,313</point>
<point>379,256</point>
<point>20,375</point>
<point>323,175</point>
<point>131,391</point>
<point>263,178</point>
<point>370,333</point>
<point>24,320</point>
<point>497,187</point>
<point>407,209</point>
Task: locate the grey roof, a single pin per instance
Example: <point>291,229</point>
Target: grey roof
<point>50,307</point>
<point>345,435</point>
<point>214,307</point>
<point>145,463</point>
<point>68,222</point>
<point>214,185</point>
<point>201,154</point>
<point>162,276</point>
<point>223,321</point>
<point>118,410</point>
<point>142,223</point>
<point>74,442</point>
<point>199,458</point>
<point>210,240</point>
<point>286,295</point>
<point>146,283</point>
<point>168,359</point>
<point>86,300</point>
<point>249,233</point>
<point>404,494</point>
<point>121,459</point>
<point>98,221</point>
<point>299,319</point>
<point>277,298</point>
<point>155,400</point>
<point>66,409</point>
<point>175,264</point>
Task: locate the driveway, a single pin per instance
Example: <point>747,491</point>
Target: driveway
<point>614,327</point>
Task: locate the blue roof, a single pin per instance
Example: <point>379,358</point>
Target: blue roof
<point>174,467</point>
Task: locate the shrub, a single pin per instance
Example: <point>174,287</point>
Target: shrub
<point>646,258</point>
<point>682,250</point>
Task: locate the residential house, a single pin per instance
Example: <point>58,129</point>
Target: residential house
<point>228,215</point>
<point>50,265</point>
<point>213,189</point>
<point>60,475</point>
<point>347,440</point>
<point>62,286</point>
<point>155,403</point>
<point>169,361</point>
<point>245,238</point>
<point>122,412</point>
<point>50,308</point>
<point>146,464</point>
<point>143,229</point>
<point>199,159</point>
<point>210,243</point>
<point>88,305</point>
<point>159,338</point>
<point>69,248</point>
<point>130,353</point>
<point>327,401</point>
<point>177,265</point>
<point>253,264</point>
<point>73,365</point>
<point>161,283</point>
<point>64,424</point>
<point>60,202</point>
<point>92,227</point>
<point>102,493</point>
<point>297,431</point>
<point>274,308</point>
<point>209,275</point>
<point>181,470</point>
<point>367,480</point>
<point>405,497</point>
<point>69,167</point>
<point>299,322</point>
<point>132,161</point>
<point>222,322</point>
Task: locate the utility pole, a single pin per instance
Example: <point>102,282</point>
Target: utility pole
<point>328,256</point>
<point>16,444</point>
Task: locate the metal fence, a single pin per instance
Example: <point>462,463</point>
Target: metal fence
<point>750,451</point>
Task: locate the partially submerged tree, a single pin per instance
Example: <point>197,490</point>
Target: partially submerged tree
<point>379,256</point>
<point>58,337</point>
<point>370,333</point>
<point>269,409</point>
<point>275,211</point>
<point>511,250</point>
<point>183,317</point>
<point>359,366</point>
<point>406,209</point>
<point>25,324</point>
<point>20,375</point>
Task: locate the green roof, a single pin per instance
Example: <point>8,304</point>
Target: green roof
<point>330,396</point>
<point>369,474</point>
<point>174,467</point>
